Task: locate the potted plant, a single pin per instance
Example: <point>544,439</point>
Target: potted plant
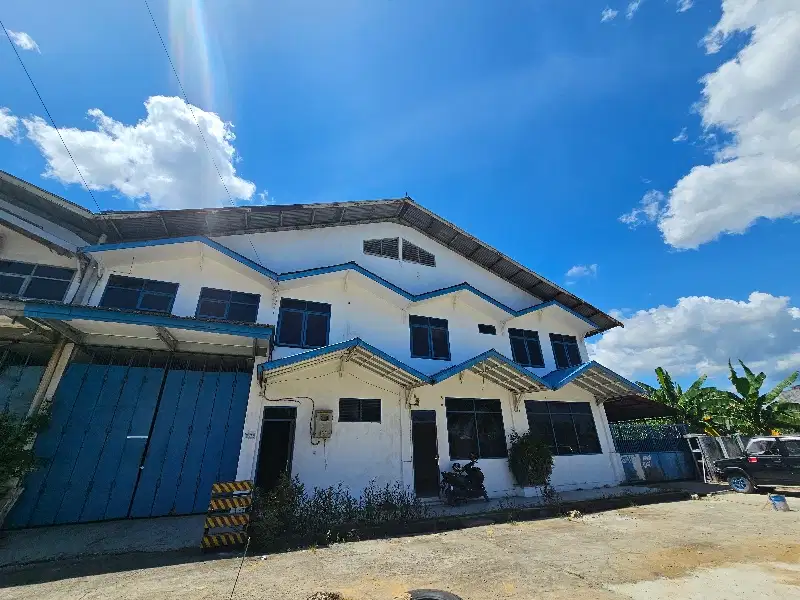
<point>531,463</point>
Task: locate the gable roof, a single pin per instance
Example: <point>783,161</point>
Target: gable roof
<point>132,226</point>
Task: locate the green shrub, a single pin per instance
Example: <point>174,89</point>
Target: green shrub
<point>288,517</point>
<point>530,460</point>
<point>16,432</point>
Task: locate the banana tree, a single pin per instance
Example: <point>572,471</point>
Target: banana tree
<point>752,413</point>
<point>693,406</point>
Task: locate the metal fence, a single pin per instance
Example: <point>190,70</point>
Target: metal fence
<point>641,437</point>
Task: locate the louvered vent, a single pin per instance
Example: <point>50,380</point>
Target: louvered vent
<point>386,247</point>
<point>415,254</point>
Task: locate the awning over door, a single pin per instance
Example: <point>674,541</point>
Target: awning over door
<point>498,369</point>
<point>356,351</point>
<point>596,379</point>
<point>137,329</point>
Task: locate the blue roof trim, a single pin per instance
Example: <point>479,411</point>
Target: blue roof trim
<point>346,345</point>
<point>560,378</point>
<point>468,364</point>
<point>334,269</point>
<point>67,312</point>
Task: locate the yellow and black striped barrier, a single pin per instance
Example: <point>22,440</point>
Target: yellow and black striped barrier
<point>227,518</point>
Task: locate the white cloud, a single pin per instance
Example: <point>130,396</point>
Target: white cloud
<point>8,124</point>
<point>23,41</point>
<point>753,101</point>
<point>608,14</point>
<point>650,208</point>
<point>582,271</point>
<point>681,137</point>
<point>684,5</point>
<point>699,334</point>
<point>161,161</point>
<point>632,8</point>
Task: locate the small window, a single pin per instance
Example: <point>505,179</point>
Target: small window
<point>139,294</point>
<point>487,329</point>
<point>429,338</point>
<point>37,282</point>
<point>475,426</point>
<point>225,304</point>
<point>359,410</point>
<point>525,347</point>
<point>791,447</point>
<point>303,324</point>
<point>386,247</point>
<point>566,427</point>
<point>565,349</point>
<point>415,254</point>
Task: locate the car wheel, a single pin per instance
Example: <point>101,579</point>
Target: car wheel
<point>741,483</point>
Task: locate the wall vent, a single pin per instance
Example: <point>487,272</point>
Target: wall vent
<point>386,247</point>
<point>415,254</point>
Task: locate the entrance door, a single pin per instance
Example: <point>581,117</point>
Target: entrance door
<point>136,434</point>
<point>426,454</point>
<point>277,444</point>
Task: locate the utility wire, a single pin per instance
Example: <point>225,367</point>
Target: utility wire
<point>196,122</point>
<point>49,116</point>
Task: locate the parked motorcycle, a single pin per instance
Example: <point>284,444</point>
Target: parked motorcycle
<point>463,483</point>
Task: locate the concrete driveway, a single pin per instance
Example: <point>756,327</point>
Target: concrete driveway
<point>726,546</point>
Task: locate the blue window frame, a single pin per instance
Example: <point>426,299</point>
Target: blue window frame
<point>303,324</point>
<point>228,305</point>
<point>525,347</point>
<point>429,338</point>
<point>566,351</point>
<point>139,294</point>
<point>40,282</point>
<point>475,426</point>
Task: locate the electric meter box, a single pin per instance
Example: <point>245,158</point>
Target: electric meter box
<point>323,424</point>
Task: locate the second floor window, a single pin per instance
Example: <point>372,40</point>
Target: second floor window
<point>429,338</point>
<point>303,324</point>
<point>525,347</point>
<point>225,304</point>
<point>139,294</point>
<point>565,349</point>
<point>38,282</point>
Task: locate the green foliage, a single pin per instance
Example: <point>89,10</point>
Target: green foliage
<point>694,407</point>
<point>530,460</point>
<point>289,517</point>
<point>752,413</point>
<point>16,433</point>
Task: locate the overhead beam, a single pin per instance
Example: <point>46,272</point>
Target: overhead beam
<point>68,331</point>
<point>165,336</point>
<point>35,327</point>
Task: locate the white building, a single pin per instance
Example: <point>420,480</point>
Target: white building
<point>180,348</point>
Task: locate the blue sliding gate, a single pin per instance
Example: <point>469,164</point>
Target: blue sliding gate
<point>136,434</point>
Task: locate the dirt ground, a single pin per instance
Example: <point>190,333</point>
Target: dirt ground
<point>726,546</point>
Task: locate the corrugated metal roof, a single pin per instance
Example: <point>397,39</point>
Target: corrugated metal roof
<point>127,226</point>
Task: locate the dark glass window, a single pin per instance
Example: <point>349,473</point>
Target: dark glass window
<point>139,294</point>
<point>359,410</point>
<point>567,427</point>
<point>565,349</point>
<point>303,324</point>
<point>475,426</point>
<point>386,247</point>
<point>487,329</point>
<point>225,304</point>
<point>38,282</point>
<point>525,347</point>
<point>429,338</point>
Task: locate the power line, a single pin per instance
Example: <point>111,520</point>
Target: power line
<point>49,116</point>
<point>196,122</point>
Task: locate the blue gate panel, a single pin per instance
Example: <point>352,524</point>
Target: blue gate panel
<point>233,435</point>
<point>47,444</point>
<point>132,452</point>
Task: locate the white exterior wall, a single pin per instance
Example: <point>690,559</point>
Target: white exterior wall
<point>286,251</point>
<point>359,452</point>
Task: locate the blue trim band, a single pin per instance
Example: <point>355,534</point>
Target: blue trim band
<point>66,312</point>
<point>337,268</point>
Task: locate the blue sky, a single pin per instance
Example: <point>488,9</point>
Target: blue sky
<point>532,124</point>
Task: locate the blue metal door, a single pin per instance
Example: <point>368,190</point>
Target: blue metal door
<point>136,435</point>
